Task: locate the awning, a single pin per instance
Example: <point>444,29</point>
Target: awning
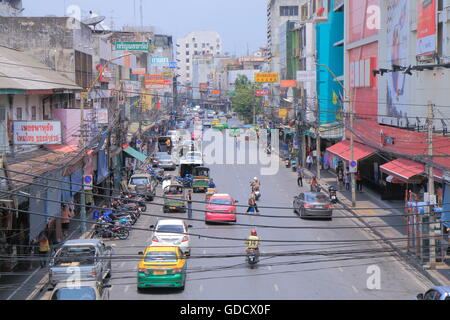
<point>135,154</point>
<point>403,168</point>
<point>342,150</point>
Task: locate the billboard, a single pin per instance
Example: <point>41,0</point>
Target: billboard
<point>160,61</point>
<point>426,27</point>
<point>266,77</point>
<point>131,46</point>
<point>397,34</point>
<point>37,132</point>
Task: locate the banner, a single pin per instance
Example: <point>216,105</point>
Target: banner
<point>266,77</point>
<point>288,84</point>
<point>37,132</point>
<point>426,27</point>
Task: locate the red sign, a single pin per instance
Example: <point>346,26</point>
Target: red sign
<point>288,83</point>
<point>260,93</point>
<point>426,27</point>
<point>215,91</point>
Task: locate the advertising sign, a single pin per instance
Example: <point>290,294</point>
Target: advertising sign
<point>160,61</point>
<point>102,116</point>
<point>37,132</point>
<point>288,83</point>
<point>266,77</point>
<point>215,91</point>
<point>264,92</point>
<point>426,27</point>
<point>306,76</point>
<point>131,88</point>
<point>138,71</point>
<point>131,46</point>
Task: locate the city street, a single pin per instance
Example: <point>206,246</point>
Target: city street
<point>307,276</point>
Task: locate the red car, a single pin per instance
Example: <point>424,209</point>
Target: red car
<point>221,208</point>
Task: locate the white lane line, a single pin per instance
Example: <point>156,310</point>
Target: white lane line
<point>204,251</point>
<point>340,269</point>
<point>276,287</point>
<point>28,279</point>
<point>126,288</point>
<point>354,289</point>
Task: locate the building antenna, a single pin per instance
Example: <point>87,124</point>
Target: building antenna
<point>134,3</point>
<point>142,16</point>
<point>112,20</point>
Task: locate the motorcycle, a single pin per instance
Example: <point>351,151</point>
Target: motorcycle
<point>287,162</point>
<point>294,165</point>
<point>252,258</point>
<point>104,229</point>
<point>333,196</point>
<point>186,181</point>
<point>269,150</point>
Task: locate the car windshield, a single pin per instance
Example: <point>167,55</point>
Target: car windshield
<point>174,190</point>
<point>160,154</point>
<point>221,201</point>
<point>163,256</point>
<point>165,157</point>
<point>136,181</point>
<point>75,293</point>
<point>79,255</point>
<point>319,198</point>
<point>170,228</point>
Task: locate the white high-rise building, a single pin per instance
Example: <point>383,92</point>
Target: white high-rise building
<point>194,44</point>
<point>10,8</point>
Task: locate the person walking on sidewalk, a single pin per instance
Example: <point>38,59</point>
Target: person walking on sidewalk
<point>189,204</point>
<point>340,178</point>
<point>44,250</point>
<point>359,181</point>
<point>347,181</point>
<point>309,162</point>
<point>252,206</point>
<point>300,176</point>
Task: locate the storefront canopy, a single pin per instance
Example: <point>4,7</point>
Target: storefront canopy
<point>403,168</point>
<point>342,150</point>
<point>135,154</point>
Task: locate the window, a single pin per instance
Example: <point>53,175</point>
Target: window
<point>203,45</point>
<point>187,68</point>
<point>187,45</point>
<point>188,75</point>
<point>288,11</point>
<point>196,52</point>
<point>33,113</point>
<point>19,114</point>
<point>187,60</point>
<point>195,45</point>
<point>187,53</point>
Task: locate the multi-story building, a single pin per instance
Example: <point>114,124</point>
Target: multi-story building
<point>196,43</point>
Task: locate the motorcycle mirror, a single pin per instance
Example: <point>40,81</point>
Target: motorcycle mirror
<point>190,226</point>
<point>152,227</point>
<point>140,253</point>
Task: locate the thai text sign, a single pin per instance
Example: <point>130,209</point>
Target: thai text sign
<point>37,132</point>
<point>160,61</point>
<point>266,77</point>
<point>263,92</point>
<point>131,46</point>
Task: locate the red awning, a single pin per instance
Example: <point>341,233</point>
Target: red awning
<point>403,168</point>
<point>342,150</point>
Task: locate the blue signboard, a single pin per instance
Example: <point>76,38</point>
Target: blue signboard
<point>172,65</point>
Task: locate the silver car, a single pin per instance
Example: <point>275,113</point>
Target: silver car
<point>313,204</point>
<point>165,162</point>
<point>435,293</point>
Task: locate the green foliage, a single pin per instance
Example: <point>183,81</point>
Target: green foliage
<point>245,99</point>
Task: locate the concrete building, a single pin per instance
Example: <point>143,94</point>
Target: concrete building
<point>194,44</point>
<point>11,8</point>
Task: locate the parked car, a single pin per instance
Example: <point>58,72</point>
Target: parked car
<point>143,179</point>
<point>87,290</point>
<point>220,208</point>
<point>172,232</point>
<point>435,293</point>
<point>91,257</point>
<point>313,204</point>
<point>161,267</point>
<point>156,156</point>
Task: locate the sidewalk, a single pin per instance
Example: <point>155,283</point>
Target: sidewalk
<point>391,216</point>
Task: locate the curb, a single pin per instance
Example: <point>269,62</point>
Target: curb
<point>44,281</point>
<point>436,280</point>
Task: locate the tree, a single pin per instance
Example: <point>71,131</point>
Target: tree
<point>245,101</point>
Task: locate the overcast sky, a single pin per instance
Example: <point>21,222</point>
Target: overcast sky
<point>239,22</point>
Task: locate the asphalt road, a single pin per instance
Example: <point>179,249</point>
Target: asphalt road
<point>322,267</point>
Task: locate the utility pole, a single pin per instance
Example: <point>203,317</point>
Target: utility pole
<point>302,129</point>
<point>431,194</point>
<point>318,138</point>
<point>83,97</point>
<point>352,153</point>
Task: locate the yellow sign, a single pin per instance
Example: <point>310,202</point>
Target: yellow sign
<point>266,77</point>
<point>146,100</point>
<point>282,113</point>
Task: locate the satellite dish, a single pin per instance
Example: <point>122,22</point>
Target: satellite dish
<point>94,21</point>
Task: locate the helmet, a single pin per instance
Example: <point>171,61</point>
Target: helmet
<point>123,221</point>
<point>253,233</point>
<point>255,178</point>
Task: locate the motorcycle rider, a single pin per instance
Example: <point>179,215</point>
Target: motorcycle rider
<point>252,243</point>
<point>255,184</point>
<point>211,184</point>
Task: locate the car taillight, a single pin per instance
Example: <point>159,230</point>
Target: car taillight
<point>149,187</point>
<point>330,206</point>
<point>155,239</point>
<point>94,274</point>
<point>308,205</point>
<point>143,270</point>
<point>185,238</point>
<point>178,270</point>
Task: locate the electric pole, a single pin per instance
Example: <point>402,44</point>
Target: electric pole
<point>318,138</point>
<point>352,154</point>
<point>83,97</point>
<point>431,195</point>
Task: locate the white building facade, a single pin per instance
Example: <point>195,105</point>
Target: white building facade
<point>196,43</point>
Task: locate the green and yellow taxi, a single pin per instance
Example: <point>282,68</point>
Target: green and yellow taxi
<point>162,266</point>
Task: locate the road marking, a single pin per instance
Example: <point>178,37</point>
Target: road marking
<point>113,245</point>
<point>29,277</point>
<point>340,269</point>
<point>201,288</point>
<point>204,251</point>
<point>354,289</point>
<point>276,287</point>
<point>126,288</point>
<point>269,267</point>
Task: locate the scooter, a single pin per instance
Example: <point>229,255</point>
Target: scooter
<point>252,258</point>
<point>294,165</point>
<point>333,196</point>
<point>287,162</point>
